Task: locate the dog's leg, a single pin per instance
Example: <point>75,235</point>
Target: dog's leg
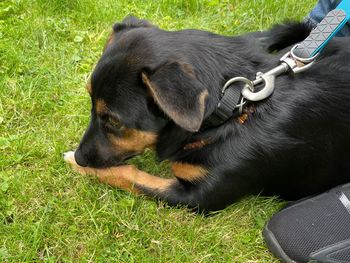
<point>129,178</point>
<point>126,177</point>
<point>186,189</point>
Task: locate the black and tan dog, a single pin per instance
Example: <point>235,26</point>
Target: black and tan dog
<point>154,88</point>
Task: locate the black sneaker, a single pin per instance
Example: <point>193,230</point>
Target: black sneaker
<point>315,229</point>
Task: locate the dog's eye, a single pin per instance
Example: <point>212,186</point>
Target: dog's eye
<point>113,121</point>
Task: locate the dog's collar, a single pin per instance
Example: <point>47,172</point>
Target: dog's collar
<point>300,58</point>
<point>230,105</point>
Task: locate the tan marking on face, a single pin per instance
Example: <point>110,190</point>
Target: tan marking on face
<point>101,107</point>
<point>89,89</point>
<point>134,140</point>
<point>109,40</point>
<point>188,172</point>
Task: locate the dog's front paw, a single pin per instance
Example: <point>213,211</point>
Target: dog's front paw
<point>70,159</point>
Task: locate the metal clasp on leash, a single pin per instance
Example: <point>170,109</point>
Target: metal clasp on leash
<point>288,62</point>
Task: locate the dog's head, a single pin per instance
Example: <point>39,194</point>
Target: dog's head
<point>140,83</point>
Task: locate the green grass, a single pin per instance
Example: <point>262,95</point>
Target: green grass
<point>48,213</point>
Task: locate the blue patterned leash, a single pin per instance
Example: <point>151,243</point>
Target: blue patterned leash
<point>325,30</point>
<point>300,58</point>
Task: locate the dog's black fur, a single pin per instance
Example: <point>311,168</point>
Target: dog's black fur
<point>295,143</point>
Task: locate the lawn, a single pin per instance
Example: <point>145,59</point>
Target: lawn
<point>49,213</point>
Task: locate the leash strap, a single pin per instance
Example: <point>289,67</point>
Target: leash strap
<point>325,30</point>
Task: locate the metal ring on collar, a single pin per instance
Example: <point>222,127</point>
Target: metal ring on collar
<point>238,79</point>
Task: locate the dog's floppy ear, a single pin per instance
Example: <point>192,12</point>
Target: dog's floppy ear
<point>178,93</point>
<point>133,21</point>
<point>128,23</point>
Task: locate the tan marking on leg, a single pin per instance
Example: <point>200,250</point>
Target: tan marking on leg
<point>101,107</point>
<point>127,177</point>
<point>188,171</point>
<point>109,40</point>
<point>134,140</point>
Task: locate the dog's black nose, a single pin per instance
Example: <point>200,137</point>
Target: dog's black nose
<point>80,159</point>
